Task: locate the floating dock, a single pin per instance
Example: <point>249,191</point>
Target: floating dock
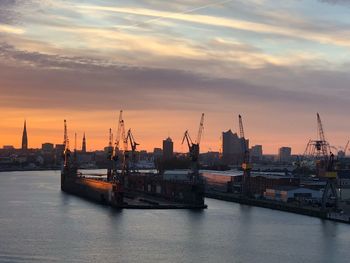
<point>142,191</point>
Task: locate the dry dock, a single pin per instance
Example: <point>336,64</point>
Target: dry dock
<point>114,195</point>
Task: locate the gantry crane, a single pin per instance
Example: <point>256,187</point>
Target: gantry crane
<point>318,149</point>
<point>113,154</point>
<point>342,150</point>
<point>133,144</point>
<point>66,152</point>
<point>125,161</point>
<point>117,139</point>
<point>109,157</point>
<point>325,166</point>
<point>193,148</point>
<point>246,166</point>
<point>69,168</point>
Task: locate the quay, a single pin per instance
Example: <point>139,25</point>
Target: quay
<point>285,207</point>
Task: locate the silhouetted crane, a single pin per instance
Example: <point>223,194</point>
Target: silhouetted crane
<point>193,148</point>
<point>120,136</point>
<point>246,166</point>
<point>109,157</point>
<point>117,138</point>
<point>133,145</point>
<point>326,167</point>
<point>66,152</point>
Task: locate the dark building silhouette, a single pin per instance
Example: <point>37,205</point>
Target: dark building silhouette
<point>83,148</point>
<point>168,148</point>
<point>157,153</point>
<point>256,153</point>
<point>232,148</point>
<point>47,147</point>
<point>25,137</point>
<point>284,154</point>
<point>59,149</point>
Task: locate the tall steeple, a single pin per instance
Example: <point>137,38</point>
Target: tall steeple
<point>83,148</point>
<point>25,137</point>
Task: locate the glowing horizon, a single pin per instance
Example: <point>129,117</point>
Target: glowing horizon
<point>97,137</point>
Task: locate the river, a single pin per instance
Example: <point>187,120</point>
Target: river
<point>39,223</point>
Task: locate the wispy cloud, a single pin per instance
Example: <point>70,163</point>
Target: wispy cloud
<point>11,29</point>
<point>276,58</point>
<point>237,24</point>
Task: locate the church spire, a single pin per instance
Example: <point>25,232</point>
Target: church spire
<point>83,148</point>
<point>25,137</point>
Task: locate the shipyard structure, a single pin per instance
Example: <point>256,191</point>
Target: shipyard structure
<point>123,186</point>
<point>316,185</point>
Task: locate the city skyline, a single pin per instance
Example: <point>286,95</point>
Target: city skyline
<point>81,143</point>
<point>276,63</point>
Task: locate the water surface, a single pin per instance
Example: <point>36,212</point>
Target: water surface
<point>39,223</point>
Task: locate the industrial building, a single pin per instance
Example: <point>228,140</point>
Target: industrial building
<point>290,193</point>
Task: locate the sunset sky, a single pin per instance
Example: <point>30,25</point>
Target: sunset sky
<point>165,62</point>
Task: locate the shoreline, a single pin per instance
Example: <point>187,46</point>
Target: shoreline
<point>285,207</point>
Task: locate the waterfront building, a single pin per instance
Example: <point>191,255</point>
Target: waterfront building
<point>8,147</point>
<point>256,153</point>
<point>168,149</point>
<point>232,148</point>
<point>157,153</point>
<point>290,193</point>
<point>47,147</point>
<point>284,154</point>
<point>59,149</point>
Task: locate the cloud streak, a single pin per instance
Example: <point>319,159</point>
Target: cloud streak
<point>275,61</point>
<point>236,24</point>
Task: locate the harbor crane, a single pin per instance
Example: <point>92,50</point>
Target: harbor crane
<point>69,167</point>
<point>66,152</point>
<point>116,149</point>
<point>117,139</point>
<point>193,148</point>
<point>133,144</point>
<point>125,161</point>
<point>246,166</point>
<point>320,150</point>
<point>109,156</point>
<point>342,150</point>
